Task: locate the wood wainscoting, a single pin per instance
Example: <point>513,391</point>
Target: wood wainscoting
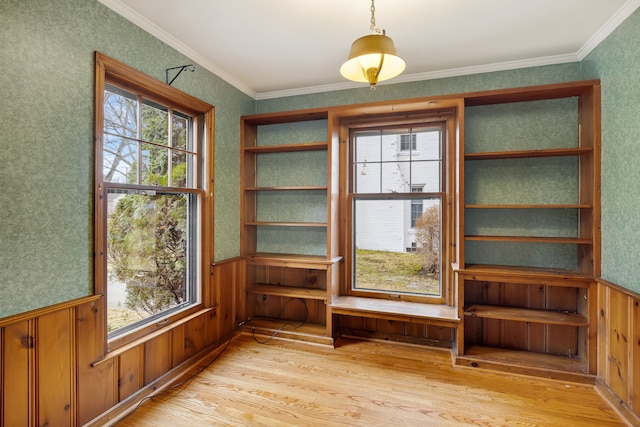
<point>619,349</point>
<point>53,370</point>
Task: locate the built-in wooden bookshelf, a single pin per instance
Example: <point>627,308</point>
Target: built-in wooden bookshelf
<point>286,157</point>
<point>520,316</point>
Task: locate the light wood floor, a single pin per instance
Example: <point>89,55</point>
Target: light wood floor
<point>364,383</point>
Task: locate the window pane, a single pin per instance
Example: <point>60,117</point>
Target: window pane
<point>149,268</point>
<point>120,112</point>
<point>391,144</point>
<point>367,178</point>
<point>154,165</point>
<point>119,159</point>
<point>427,144</point>
<point>392,256</point>
<point>180,169</point>
<point>367,146</point>
<point>180,131</point>
<point>395,177</point>
<point>427,175</point>
<point>155,123</point>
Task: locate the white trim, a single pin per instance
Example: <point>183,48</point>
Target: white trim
<point>625,11</point>
<point>142,22</point>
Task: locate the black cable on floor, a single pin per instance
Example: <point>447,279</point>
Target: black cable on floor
<point>306,315</point>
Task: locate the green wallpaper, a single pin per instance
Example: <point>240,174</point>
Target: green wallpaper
<point>46,138</point>
<point>616,61</point>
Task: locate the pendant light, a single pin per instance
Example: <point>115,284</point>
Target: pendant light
<point>373,58</point>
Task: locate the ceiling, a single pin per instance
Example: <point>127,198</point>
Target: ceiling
<point>273,48</point>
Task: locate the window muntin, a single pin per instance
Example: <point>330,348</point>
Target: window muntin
<point>150,157</point>
<point>388,188</point>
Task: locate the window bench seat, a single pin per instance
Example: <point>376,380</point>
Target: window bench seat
<point>403,311</point>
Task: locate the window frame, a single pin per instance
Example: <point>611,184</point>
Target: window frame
<point>447,121</point>
<point>112,72</point>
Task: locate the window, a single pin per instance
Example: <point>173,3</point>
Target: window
<point>397,210</point>
<point>151,175</point>
<point>408,142</point>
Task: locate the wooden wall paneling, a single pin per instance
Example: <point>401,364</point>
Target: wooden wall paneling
<point>562,340</point>
<point>537,339</point>
<point>130,372</point>
<point>634,377</point>
<point>56,379</point>
<point>157,357</point>
<point>96,390</point>
<point>588,304</point>
<point>514,333</point>
<point>473,330</point>
<point>18,342</point>
<point>603,333</point>
<point>193,338</point>
<point>619,344</point>
<point>231,299</point>
<point>440,333</point>
<point>178,345</point>
<point>391,327</point>
<point>418,330</point>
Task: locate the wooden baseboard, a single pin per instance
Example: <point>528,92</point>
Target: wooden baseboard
<point>625,412</point>
<point>174,376</point>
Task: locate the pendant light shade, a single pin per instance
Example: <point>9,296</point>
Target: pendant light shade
<point>373,58</point>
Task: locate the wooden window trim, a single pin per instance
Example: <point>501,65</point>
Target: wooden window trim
<point>448,120</point>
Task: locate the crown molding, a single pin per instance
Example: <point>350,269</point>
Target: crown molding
<point>609,27</point>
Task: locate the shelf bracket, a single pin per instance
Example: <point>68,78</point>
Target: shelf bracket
<point>188,67</point>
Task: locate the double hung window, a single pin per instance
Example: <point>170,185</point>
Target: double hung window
<point>397,202</point>
<point>151,174</point>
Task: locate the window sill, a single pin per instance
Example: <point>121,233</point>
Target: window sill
<point>414,312</point>
<point>123,349</point>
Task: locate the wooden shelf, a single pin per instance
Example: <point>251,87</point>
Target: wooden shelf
<point>284,148</point>
<point>287,224</point>
<point>291,260</point>
<point>527,363</point>
<point>534,239</point>
<point>285,329</point>
<point>290,188</point>
<point>526,275</point>
<point>526,315</point>
<point>287,291</point>
<point>521,154</point>
<point>542,206</point>
<point>531,93</point>
<point>405,311</point>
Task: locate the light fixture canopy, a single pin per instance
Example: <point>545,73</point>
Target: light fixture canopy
<point>373,58</point>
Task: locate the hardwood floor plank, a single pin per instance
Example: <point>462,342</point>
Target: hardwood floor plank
<point>365,383</point>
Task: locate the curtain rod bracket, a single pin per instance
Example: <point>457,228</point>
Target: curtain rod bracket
<point>189,67</point>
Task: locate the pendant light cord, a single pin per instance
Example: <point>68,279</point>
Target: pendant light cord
<point>372,27</point>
